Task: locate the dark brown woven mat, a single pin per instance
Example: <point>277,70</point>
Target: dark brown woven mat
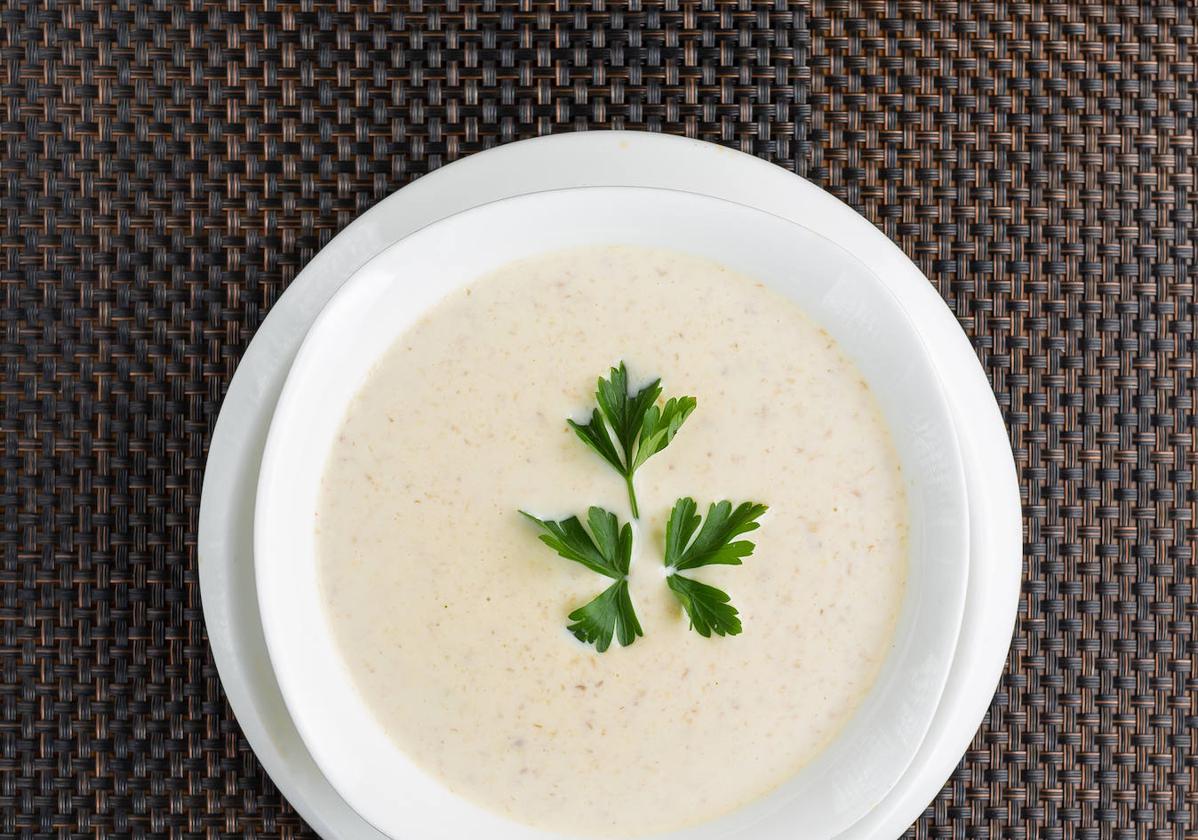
<point>168,168</point>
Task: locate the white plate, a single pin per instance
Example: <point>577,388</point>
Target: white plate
<point>611,158</point>
<point>367,316</point>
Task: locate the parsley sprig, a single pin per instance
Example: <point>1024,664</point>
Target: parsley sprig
<point>641,429</point>
<point>607,549</point>
<point>626,430</point>
<point>709,609</point>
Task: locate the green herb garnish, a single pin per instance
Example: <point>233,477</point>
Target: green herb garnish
<point>627,430</point>
<point>607,549</point>
<point>641,429</point>
<point>708,608</point>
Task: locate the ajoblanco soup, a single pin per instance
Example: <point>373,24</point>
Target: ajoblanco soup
<point>452,615</point>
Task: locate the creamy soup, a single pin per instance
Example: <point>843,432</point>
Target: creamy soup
<point>451,614</point>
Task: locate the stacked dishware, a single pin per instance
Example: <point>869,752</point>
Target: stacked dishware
<point>281,666</point>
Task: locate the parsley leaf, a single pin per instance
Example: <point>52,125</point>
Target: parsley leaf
<point>708,608</point>
<point>610,612</point>
<point>610,550</point>
<point>641,429</point>
<point>595,435</point>
<point>660,425</point>
<point>713,546</point>
<point>606,549</point>
<point>623,411</point>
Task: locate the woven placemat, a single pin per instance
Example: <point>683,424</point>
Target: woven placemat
<point>168,168</point>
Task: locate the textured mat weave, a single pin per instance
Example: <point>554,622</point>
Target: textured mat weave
<point>166,169</point>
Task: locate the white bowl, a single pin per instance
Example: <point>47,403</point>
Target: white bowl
<point>366,316</point>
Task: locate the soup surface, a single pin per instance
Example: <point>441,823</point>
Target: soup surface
<point>451,614</point>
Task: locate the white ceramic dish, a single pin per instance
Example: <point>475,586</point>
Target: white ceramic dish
<point>370,312</point>
<point>595,158</point>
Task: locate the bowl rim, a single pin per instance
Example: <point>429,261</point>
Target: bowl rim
<point>275,638</point>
